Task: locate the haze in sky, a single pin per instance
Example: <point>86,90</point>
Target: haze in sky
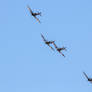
<point>27,64</point>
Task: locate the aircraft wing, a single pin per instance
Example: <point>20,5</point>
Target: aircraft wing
<point>29,9</point>
<point>43,37</point>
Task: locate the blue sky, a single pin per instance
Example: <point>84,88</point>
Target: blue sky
<point>27,64</point>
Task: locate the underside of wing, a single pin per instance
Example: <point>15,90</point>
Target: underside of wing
<point>85,75</point>
<point>62,54</point>
<point>29,9</point>
<point>51,47</point>
<point>55,45</point>
<point>43,37</point>
<point>37,19</point>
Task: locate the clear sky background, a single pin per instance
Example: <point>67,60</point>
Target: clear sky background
<point>27,64</point>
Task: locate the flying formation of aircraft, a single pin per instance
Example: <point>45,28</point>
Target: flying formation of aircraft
<point>52,42</point>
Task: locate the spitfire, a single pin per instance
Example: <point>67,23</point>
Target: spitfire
<point>59,49</point>
<point>47,42</point>
<point>34,14</point>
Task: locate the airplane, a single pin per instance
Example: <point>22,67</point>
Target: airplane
<point>89,79</point>
<point>47,42</point>
<point>34,14</point>
<point>59,49</point>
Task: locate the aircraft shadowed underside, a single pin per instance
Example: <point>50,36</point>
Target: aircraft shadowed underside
<point>34,14</point>
<point>47,42</point>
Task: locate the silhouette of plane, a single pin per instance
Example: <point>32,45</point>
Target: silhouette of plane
<point>89,79</point>
<point>59,49</point>
<point>34,14</point>
<point>47,42</point>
